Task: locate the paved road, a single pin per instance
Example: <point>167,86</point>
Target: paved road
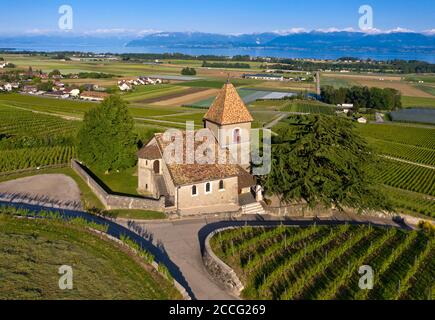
<point>179,240</point>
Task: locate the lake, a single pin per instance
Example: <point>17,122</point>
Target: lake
<point>327,53</point>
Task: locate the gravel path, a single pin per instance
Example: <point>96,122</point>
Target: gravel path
<point>50,190</point>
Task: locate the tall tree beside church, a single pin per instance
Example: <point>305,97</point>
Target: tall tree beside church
<point>322,160</point>
<point>107,140</point>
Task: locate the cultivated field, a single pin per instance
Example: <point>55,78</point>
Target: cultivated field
<point>321,263</point>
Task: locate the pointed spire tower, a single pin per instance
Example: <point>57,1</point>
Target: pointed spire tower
<point>228,108</point>
<point>230,121</point>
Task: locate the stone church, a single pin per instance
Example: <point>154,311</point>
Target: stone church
<point>190,187</point>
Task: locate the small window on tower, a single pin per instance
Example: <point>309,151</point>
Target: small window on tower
<point>236,136</point>
<point>194,191</point>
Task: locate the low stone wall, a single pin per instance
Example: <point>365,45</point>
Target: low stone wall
<point>114,202</point>
<point>298,211</point>
<point>218,269</point>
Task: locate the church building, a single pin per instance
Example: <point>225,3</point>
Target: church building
<point>190,187</point>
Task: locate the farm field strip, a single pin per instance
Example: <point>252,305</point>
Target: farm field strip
<point>327,266</point>
<point>144,93</point>
<point>408,177</point>
<point>409,102</point>
<point>420,137</point>
<point>307,107</point>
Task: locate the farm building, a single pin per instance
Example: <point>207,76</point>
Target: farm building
<point>223,183</point>
<point>94,96</point>
<point>264,76</point>
<point>345,107</point>
<point>362,120</point>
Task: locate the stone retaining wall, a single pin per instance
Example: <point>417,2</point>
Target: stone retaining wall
<point>114,202</point>
<point>218,269</point>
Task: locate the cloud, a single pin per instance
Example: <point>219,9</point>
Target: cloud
<point>399,30</point>
<point>372,31</point>
<point>291,31</point>
<point>333,29</point>
<point>120,32</point>
<point>429,32</point>
<point>40,31</point>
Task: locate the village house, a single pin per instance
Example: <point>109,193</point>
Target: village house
<point>30,89</point>
<point>195,187</point>
<point>73,92</point>
<point>124,87</point>
<point>94,96</point>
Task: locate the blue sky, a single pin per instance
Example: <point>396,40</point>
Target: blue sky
<point>223,16</point>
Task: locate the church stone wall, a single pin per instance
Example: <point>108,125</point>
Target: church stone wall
<point>226,200</point>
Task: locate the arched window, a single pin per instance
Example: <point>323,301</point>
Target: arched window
<point>236,136</point>
<point>221,185</point>
<point>208,187</point>
<point>194,191</point>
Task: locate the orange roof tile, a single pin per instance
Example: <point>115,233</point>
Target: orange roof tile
<point>188,174</point>
<point>228,108</point>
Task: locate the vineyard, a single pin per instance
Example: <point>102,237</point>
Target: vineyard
<point>16,122</point>
<point>420,137</point>
<point>410,187</point>
<point>403,151</point>
<point>408,177</point>
<point>11,160</point>
<point>410,202</point>
<point>322,263</point>
<point>31,140</point>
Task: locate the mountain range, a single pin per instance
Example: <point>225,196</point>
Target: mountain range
<point>406,45</point>
<point>314,39</point>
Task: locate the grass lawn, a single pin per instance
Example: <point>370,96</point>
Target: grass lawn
<point>408,102</point>
<point>137,214</point>
<point>122,183</point>
<point>33,250</point>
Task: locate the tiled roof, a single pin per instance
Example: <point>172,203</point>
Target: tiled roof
<point>187,174</point>
<point>228,108</point>
<point>150,152</point>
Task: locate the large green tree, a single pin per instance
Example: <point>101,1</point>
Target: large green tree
<point>107,140</point>
<point>322,160</point>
